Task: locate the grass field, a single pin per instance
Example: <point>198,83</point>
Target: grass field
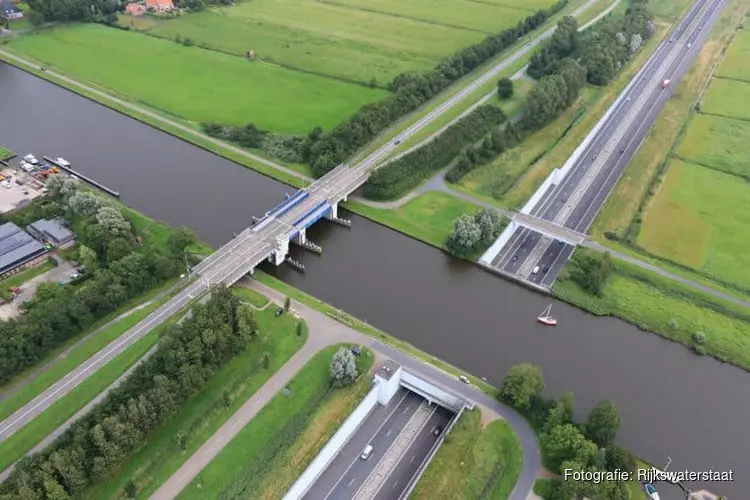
<point>250,459</point>
<point>473,462</point>
<point>735,62</point>
<point>208,410</point>
<point>428,217</point>
<point>227,89</point>
<point>699,218</point>
<point>653,302</point>
<point>358,40</point>
<point>250,296</point>
<point>719,143</point>
<point>730,98</point>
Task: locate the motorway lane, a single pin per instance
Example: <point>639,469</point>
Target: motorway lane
<point>581,215</point>
<point>396,483</point>
<point>347,472</point>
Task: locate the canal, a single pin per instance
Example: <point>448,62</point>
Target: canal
<point>674,403</point>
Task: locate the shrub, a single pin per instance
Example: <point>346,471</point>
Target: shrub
<point>699,338</point>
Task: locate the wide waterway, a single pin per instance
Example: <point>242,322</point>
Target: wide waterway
<point>673,403</point>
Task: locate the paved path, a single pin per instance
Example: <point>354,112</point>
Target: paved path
<point>105,96</point>
<point>323,332</point>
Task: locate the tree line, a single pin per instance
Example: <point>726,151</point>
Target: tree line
<point>404,174</point>
<point>117,269</point>
<point>473,232</point>
<point>324,151</point>
<point>567,444</point>
<point>188,354</point>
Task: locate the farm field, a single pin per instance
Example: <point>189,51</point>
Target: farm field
<point>719,143</point>
<point>227,89</point>
<point>729,98</point>
<point>358,40</point>
<point>699,218</point>
<point>735,62</point>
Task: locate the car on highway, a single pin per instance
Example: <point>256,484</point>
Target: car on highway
<point>689,45</point>
<point>514,259</point>
<point>665,83</point>
<point>366,452</point>
<point>546,268</point>
<point>397,142</point>
<point>622,150</point>
<point>437,430</point>
<point>536,270</point>
<point>464,379</point>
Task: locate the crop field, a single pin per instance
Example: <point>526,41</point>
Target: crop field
<point>727,98</point>
<point>719,143</point>
<point>358,40</point>
<point>197,84</point>
<point>735,63</point>
<point>699,218</point>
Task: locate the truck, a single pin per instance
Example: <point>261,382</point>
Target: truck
<point>665,83</point>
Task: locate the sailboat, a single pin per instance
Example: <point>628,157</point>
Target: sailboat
<point>546,317</point>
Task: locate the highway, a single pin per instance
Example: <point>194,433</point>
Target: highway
<point>575,202</point>
<point>249,248</point>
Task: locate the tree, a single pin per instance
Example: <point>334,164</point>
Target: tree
<point>565,442</point>
<point>616,457</point>
<point>246,324</point>
<point>603,422</point>
<point>287,303</point>
<point>561,413</point>
<point>465,237</point>
<point>299,329</point>
<point>522,383</point>
<point>343,368</point>
<point>491,224</point>
<point>505,88</point>
<point>181,238</point>
<point>87,257</point>
<point>113,222</point>
<point>131,490</point>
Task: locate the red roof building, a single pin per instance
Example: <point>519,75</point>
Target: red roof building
<point>159,5</point>
<point>135,9</point>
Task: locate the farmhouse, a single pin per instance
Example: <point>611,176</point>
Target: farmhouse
<point>159,5</point>
<point>18,250</point>
<point>52,232</point>
<point>9,11</point>
<point>135,9</point>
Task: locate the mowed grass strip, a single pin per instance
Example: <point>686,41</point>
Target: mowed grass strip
<point>479,16</point>
<point>345,25</point>
<point>665,307</point>
<point>53,417</point>
<point>197,84</point>
<point>74,358</point>
<point>730,98</point>
<point>735,64</point>
<point>473,462</point>
<point>428,217</point>
<point>701,218</point>
<point>717,142</point>
<point>250,296</point>
<point>253,453</point>
<point>170,446</point>
<point>296,48</point>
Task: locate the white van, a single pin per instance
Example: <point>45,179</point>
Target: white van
<point>366,452</point>
<point>536,270</point>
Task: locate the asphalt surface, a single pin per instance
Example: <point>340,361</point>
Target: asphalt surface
<point>239,256</point>
<point>575,202</point>
<point>346,474</point>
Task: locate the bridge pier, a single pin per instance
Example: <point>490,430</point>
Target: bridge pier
<point>333,215</point>
<point>281,250</point>
<point>301,240</point>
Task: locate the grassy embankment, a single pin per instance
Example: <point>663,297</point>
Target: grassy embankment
<point>5,153</point>
<point>685,133</point>
<point>208,410</point>
<point>270,452</point>
<point>474,462</point>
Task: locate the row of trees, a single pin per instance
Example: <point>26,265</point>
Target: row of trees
<point>324,151</point>
<point>472,232</point>
<point>116,270</point>
<point>601,50</point>
<point>188,354</point>
<point>404,174</point>
<point>566,444</point>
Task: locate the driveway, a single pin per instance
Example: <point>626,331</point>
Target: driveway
<point>60,273</point>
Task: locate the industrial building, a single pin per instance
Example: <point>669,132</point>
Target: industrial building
<point>18,250</point>
<point>52,232</point>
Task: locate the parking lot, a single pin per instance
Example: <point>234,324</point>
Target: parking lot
<point>61,273</point>
<point>13,195</point>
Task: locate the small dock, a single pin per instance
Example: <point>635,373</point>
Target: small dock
<point>84,178</point>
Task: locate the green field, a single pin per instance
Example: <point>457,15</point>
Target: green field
<point>196,84</point>
<point>244,465</point>
<point>672,310</point>
<point>473,462</point>
<point>428,217</point>
<point>208,410</point>
<point>735,64</point>
<point>730,98</point>
<point>700,218</point>
<point>358,40</point>
<point>719,143</point>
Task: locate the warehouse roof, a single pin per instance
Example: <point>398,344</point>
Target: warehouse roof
<point>16,247</point>
<point>53,230</point>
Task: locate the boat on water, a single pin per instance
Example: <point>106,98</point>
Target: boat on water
<point>651,491</point>
<point>546,317</point>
